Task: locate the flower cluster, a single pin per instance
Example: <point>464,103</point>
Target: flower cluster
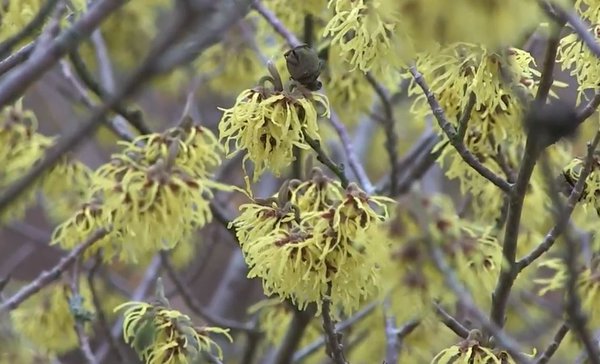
<point>161,335</point>
<point>471,351</point>
<point>47,319</point>
<point>575,56</point>
<point>151,195</point>
<point>591,188</point>
<point>268,123</point>
<point>21,147</point>
<point>312,238</point>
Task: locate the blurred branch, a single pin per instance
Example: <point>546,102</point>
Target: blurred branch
<point>139,294</point>
<point>276,24</point>
<point>562,223</point>
<point>551,349</point>
<point>53,274</point>
<point>333,338</point>
<point>102,321</point>
<point>196,306</point>
<point>450,321</point>
<point>391,141</point>
<point>16,58</point>
<point>133,116</point>
<point>465,115</point>
<point>549,64</point>
<point>82,337</point>
<point>294,333</point>
<point>451,133</point>
<point>344,325</point>
<point>392,342</point>
<point>30,28</point>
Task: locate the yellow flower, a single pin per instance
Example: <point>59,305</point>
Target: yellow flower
<point>46,319</point>
<point>572,172</point>
<point>298,253</point>
<point>161,335</point>
<point>362,30</point>
<point>21,147</point>
<point>267,124</point>
<point>470,351</point>
<point>66,188</point>
<point>576,56</point>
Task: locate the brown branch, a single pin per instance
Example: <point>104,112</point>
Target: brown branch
<point>342,326</point>
<point>53,274</point>
<point>463,122</point>
<point>102,320</point>
<point>450,321</point>
<point>196,306</point>
<point>82,337</point>
<point>294,333</point>
<point>562,224</point>
<point>548,68</point>
<point>391,141</point>
<point>335,349</point>
<point>551,349</point>
<point>451,133</point>
<point>322,157</point>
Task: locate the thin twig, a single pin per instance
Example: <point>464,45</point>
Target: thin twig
<point>451,322</point>
<point>322,157</point>
<point>276,24</point>
<point>551,349</point>
<point>53,274</point>
<point>451,133</point>
<point>341,327</point>
<point>133,116</point>
<point>101,317</point>
<point>588,109</point>
<point>548,68</point>
<point>335,349</point>
<point>392,344</point>
<point>140,292</point>
<point>16,58</point>
<point>196,306</point>
<point>30,28</point>
<point>465,116</point>
<point>82,337</point>
<point>294,333</point>
<point>391,141</point>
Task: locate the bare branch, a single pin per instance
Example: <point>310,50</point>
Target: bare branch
<point>391,141</point>
<point>277,25</point>
<point>82,337</point>
<point>335,349</point>
<point>53,274</point>
<point>563,16</point>
<point>451,322</point>
<point>551,349</point>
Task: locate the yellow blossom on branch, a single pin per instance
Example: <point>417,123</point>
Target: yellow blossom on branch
<point>267,123</point>
<point>161,335</point>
